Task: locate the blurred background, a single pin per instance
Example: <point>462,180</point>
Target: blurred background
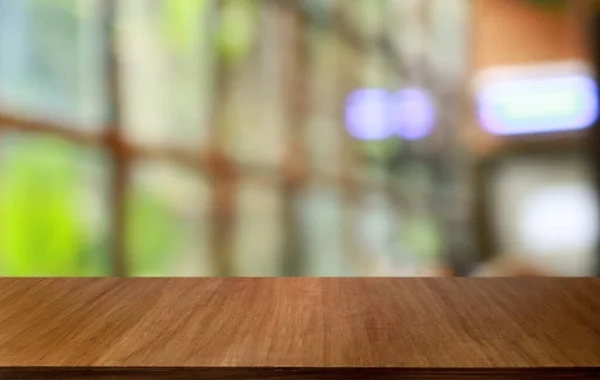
<point>298,137</point>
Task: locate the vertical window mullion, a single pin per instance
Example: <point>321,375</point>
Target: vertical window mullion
<point>295,157</point>
<point>114,142</point>
<point>221,170</point>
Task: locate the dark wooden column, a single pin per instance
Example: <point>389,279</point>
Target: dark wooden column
<point>593,139</point>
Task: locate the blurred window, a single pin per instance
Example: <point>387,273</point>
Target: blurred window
<point>198,137</point>
<point>52,61</point>
<point>53,208</point>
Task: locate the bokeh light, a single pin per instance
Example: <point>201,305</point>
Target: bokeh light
<point>538,105</point>
<point>376,114</point>
<point>367,114</point>
<point>413,114</point>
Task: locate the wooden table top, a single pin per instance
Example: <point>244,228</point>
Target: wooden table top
<point>310,328</point>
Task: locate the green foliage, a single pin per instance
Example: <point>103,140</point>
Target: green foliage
<point>422,237</point>
<point>379,150</point>
<point>40,230</point>
<point>152,235</point>
<point>235,31</point>
<point>181,21</point>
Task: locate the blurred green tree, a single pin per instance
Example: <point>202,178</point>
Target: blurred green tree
<point>235,31</point>
<point>41,233</point>
<point>152,234</point>
<point>180,21</point>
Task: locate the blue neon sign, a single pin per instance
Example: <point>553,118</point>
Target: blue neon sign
<point>538,105</point>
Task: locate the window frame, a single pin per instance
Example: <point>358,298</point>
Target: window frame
<point>211,161</point>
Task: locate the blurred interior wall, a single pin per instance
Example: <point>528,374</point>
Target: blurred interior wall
<point>514,33</point>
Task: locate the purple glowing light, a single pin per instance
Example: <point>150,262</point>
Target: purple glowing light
<point>413,114</point>
<point>367,114</point>
<point>376,114</point>
<point>539,105</point>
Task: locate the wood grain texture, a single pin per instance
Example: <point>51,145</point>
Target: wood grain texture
<point>301,328</point>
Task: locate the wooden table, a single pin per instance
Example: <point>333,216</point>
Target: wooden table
<point>299,328</point>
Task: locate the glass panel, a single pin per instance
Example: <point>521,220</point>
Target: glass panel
<point>374,234</point>
<point>166,59</point>
<point>418,236</point>
<point>323,128</point>
<point>167,222</point>
<point>52,61</point>
<point>418,245</point>
<point>409,36</point>
<point>367,17</point>
<point>259,229</point>
<point>257,104</point>
<point>389,239</point>
<point>53,208</point>
<point>449,46</point>
<point>415,180</point>
<point>320,211</point>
